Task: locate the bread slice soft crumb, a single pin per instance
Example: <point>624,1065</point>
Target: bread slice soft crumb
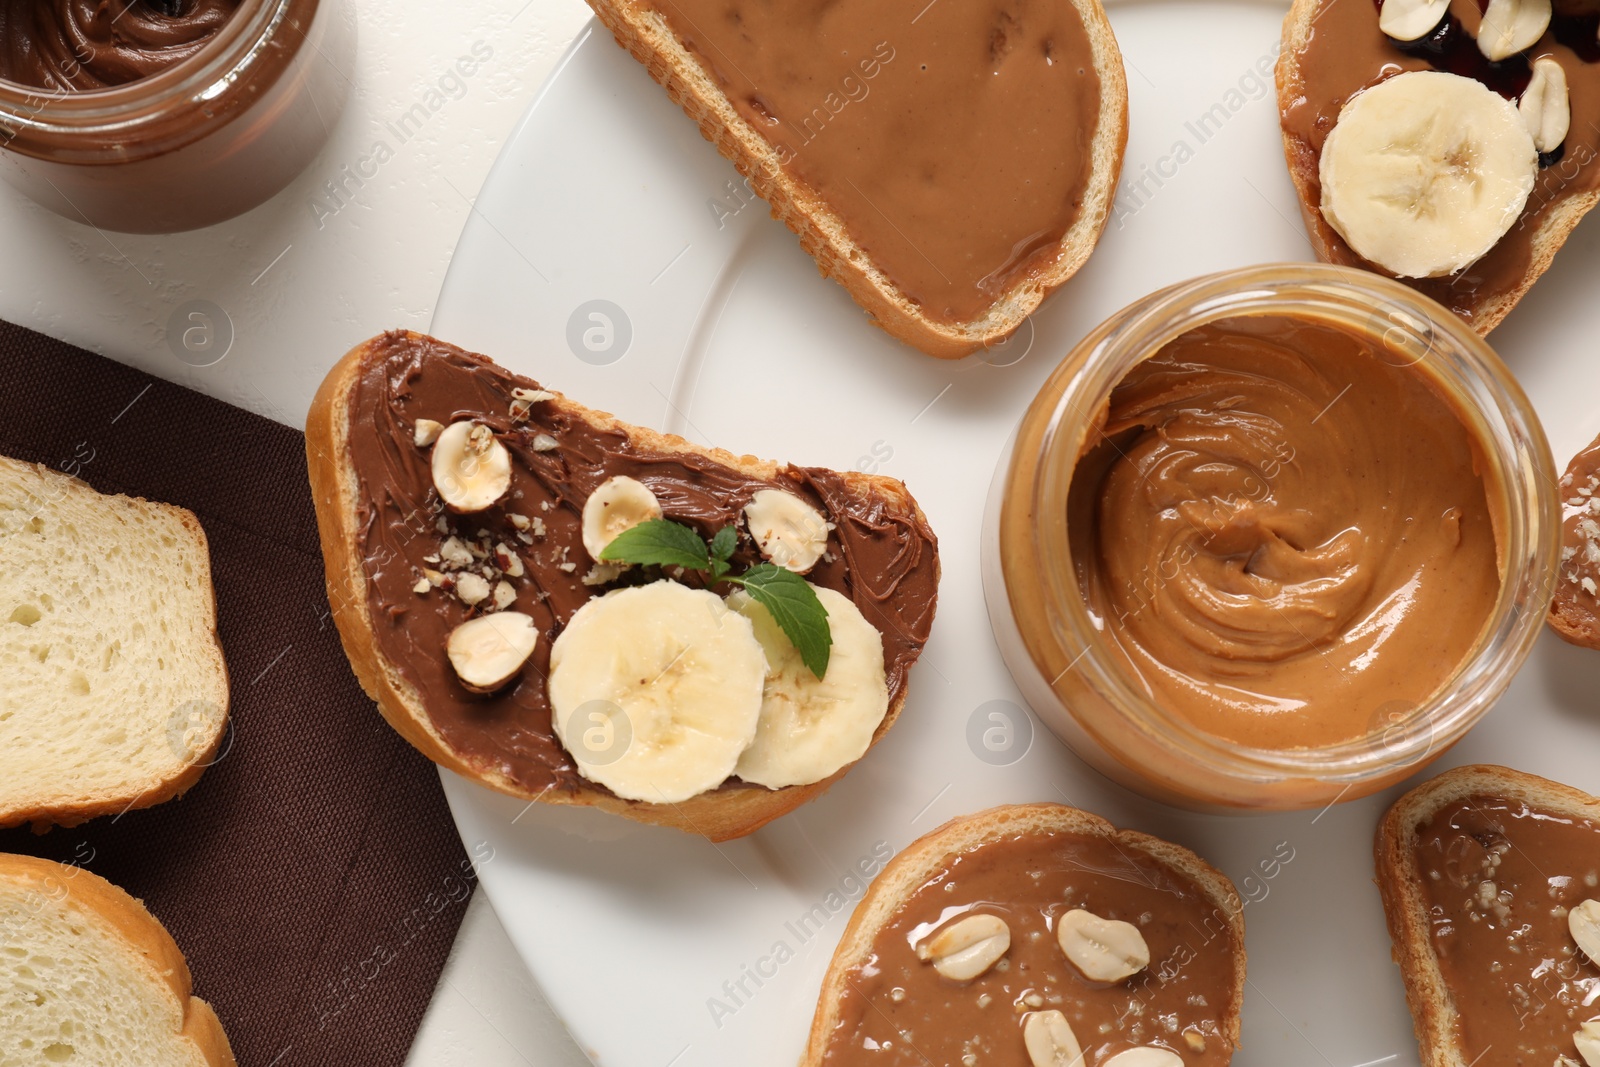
<point>116,693</point>
<point>88,977</point>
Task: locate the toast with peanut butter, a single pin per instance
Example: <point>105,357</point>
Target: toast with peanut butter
<point>1431,143</point>
<point>570,609</point>
<point>1031,935</point>
<point>1575,608</point>
<point>1490,879</point>
<point>950,167</point>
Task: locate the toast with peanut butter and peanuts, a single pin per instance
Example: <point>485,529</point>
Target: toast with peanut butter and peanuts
<point>1037,935</point>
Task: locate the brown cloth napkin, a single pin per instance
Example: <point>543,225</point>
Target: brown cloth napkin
<point>313,876</point>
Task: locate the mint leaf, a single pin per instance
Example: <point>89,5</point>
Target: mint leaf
<point>661,542</point>
<point>794,606</point>
<point>722,549</point>
<point>724,543</point>
<point>790,600</point>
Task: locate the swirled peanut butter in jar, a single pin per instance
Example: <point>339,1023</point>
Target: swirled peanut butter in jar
<point>1284,531</point>
<point>1271,539</point>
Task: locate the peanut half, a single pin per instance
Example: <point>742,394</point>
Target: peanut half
<point>965,949</point>
<point>1105,950</point>
<point>1050,1041</point>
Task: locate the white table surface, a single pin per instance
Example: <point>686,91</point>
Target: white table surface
<point>300,286</point>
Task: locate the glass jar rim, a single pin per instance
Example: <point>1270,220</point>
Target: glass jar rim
<point>203,81</point>
<point>1498,415</point>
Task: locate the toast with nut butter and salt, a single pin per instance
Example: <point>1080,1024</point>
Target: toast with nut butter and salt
<point>570,609</point>
<point>1490,880</point>
<point>1575,608</point>
<point>950,168</point>
<point>1037,935</point>
<point>1446,143</point>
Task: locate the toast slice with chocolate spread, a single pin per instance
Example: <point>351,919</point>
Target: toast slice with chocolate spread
<point>950,168</point>
<point>1105,940</point>
<point>1490,864</point>
<point>497,640</point>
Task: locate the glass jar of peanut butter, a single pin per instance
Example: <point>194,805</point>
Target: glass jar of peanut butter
<point>154,116</point>
<point>1271,539</point>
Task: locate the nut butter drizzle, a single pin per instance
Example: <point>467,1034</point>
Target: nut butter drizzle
<point>80,45</point>
<point>1498,877</point>
<point>1347,53</point>
<point>880,556</point>
<point>898,1011</point>
<point>955,143</point>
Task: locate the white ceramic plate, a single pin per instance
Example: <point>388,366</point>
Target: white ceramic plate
<point>642,938</point>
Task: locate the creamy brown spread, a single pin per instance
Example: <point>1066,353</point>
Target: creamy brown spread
<point>1498,878</point>
<point>1347,53</point>
<point>96,44</point>
<point>1577,599</point>
<point>880,556</point>
<point>898,1010</point>
<point>954,141</point>
<point>1285,535</point>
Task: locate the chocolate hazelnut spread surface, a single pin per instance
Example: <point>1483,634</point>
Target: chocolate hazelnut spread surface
<point>879,556</point>
<point>1499,877</point>
<point>955,143</point>
<point>1347,53</point>
<point>898,1010</point>
<point>1576,609</point>
<point>1285,536</point>
<point>96,44</point>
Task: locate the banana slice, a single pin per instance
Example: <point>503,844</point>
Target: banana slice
<point>787,530</point>
<point>1509,26</point>
<point>655,690</point>
<point>619,504</point>
<point>811,727</point>
<point>1425,172</point>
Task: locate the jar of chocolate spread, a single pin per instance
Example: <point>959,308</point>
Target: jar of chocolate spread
<point>153,116</point>
<point>1272,539</point>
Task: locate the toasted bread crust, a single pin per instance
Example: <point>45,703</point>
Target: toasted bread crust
<point>134,923</point>
<point>718,815</point>
<point>43,815</point>
<point>1487,311</point>
<point>919,861</point>
<point>1573,627</point>
<point>1433,1013</point>
<point>822,232</point>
